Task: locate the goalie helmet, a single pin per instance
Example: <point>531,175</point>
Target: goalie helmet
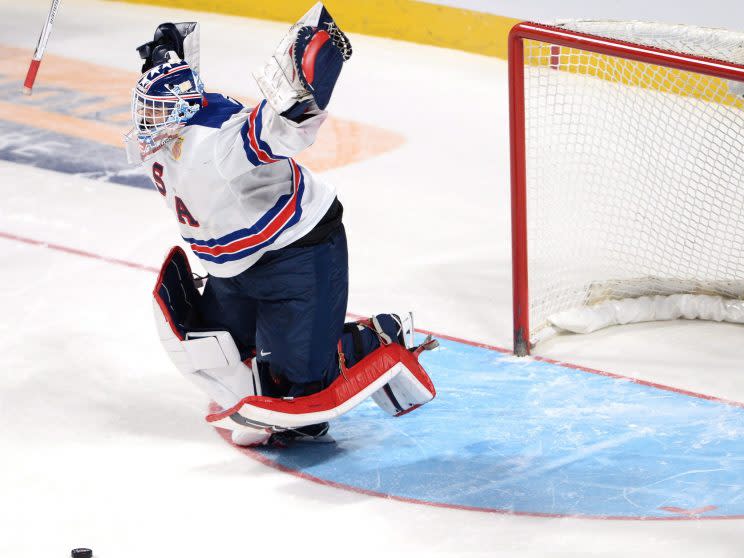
<point>164,99</point>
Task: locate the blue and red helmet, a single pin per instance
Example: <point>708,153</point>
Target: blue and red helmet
<point>164,99</point>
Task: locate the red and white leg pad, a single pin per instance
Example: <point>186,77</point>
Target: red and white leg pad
<point>389,369</point>
<point>211,360</point>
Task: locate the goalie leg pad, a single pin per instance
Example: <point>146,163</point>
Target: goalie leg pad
<point>353,386</point>
<point>388,372</point>
<point>210,359</point>
<point>406,391</point>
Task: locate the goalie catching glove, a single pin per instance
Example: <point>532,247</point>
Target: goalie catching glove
<point>302,72</point>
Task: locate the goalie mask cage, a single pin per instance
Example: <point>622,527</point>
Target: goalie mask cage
<point>627,154</point>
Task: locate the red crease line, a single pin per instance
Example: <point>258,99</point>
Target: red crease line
<point>495,348</point>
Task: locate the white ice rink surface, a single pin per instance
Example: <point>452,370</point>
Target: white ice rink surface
<point>102,442</point>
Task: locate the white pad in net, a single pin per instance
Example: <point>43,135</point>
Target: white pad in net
<point>587,319</point>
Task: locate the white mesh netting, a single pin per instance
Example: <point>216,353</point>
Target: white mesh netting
<point>635,173</point>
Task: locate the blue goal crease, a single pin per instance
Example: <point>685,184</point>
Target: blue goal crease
<point>534,437</point>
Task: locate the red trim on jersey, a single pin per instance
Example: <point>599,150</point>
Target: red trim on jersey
<point>276,224</point>
<point>260,153</point>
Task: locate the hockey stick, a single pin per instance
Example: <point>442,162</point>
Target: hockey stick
<point>40,48</point>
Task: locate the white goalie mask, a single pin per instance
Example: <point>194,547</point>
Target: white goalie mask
<point>163,100</point>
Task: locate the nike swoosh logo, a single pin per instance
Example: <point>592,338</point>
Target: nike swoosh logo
<point>264,354</point>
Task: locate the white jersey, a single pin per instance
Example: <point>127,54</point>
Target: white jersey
<point>233,185</point>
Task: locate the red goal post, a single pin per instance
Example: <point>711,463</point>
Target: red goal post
<point>554,40</point>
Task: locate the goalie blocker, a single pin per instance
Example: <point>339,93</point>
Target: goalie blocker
<point>373,361</point>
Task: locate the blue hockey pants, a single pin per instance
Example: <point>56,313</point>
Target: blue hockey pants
<point>289,307</point>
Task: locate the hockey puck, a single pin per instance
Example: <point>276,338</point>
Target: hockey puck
<point>81,553</point>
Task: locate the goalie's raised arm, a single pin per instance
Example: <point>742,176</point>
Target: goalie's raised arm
<point>300,76</point>
<point>260,136</point>
<point>297,83</point>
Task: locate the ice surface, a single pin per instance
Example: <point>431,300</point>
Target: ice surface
<point>103,445</point>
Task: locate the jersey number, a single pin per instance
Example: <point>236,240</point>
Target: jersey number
<point>157,177</point>
<point>183,213</point>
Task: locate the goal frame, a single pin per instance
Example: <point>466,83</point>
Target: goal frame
<point>565,38</point>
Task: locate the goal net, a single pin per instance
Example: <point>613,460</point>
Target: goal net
<point>627,175</point>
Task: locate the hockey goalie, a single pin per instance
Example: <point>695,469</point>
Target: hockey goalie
<point>265,338</point>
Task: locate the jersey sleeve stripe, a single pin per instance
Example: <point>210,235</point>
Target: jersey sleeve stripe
<point>265,147</point>
<point>257,150</point>
<point>242,243</point>
<point>250,153</point>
